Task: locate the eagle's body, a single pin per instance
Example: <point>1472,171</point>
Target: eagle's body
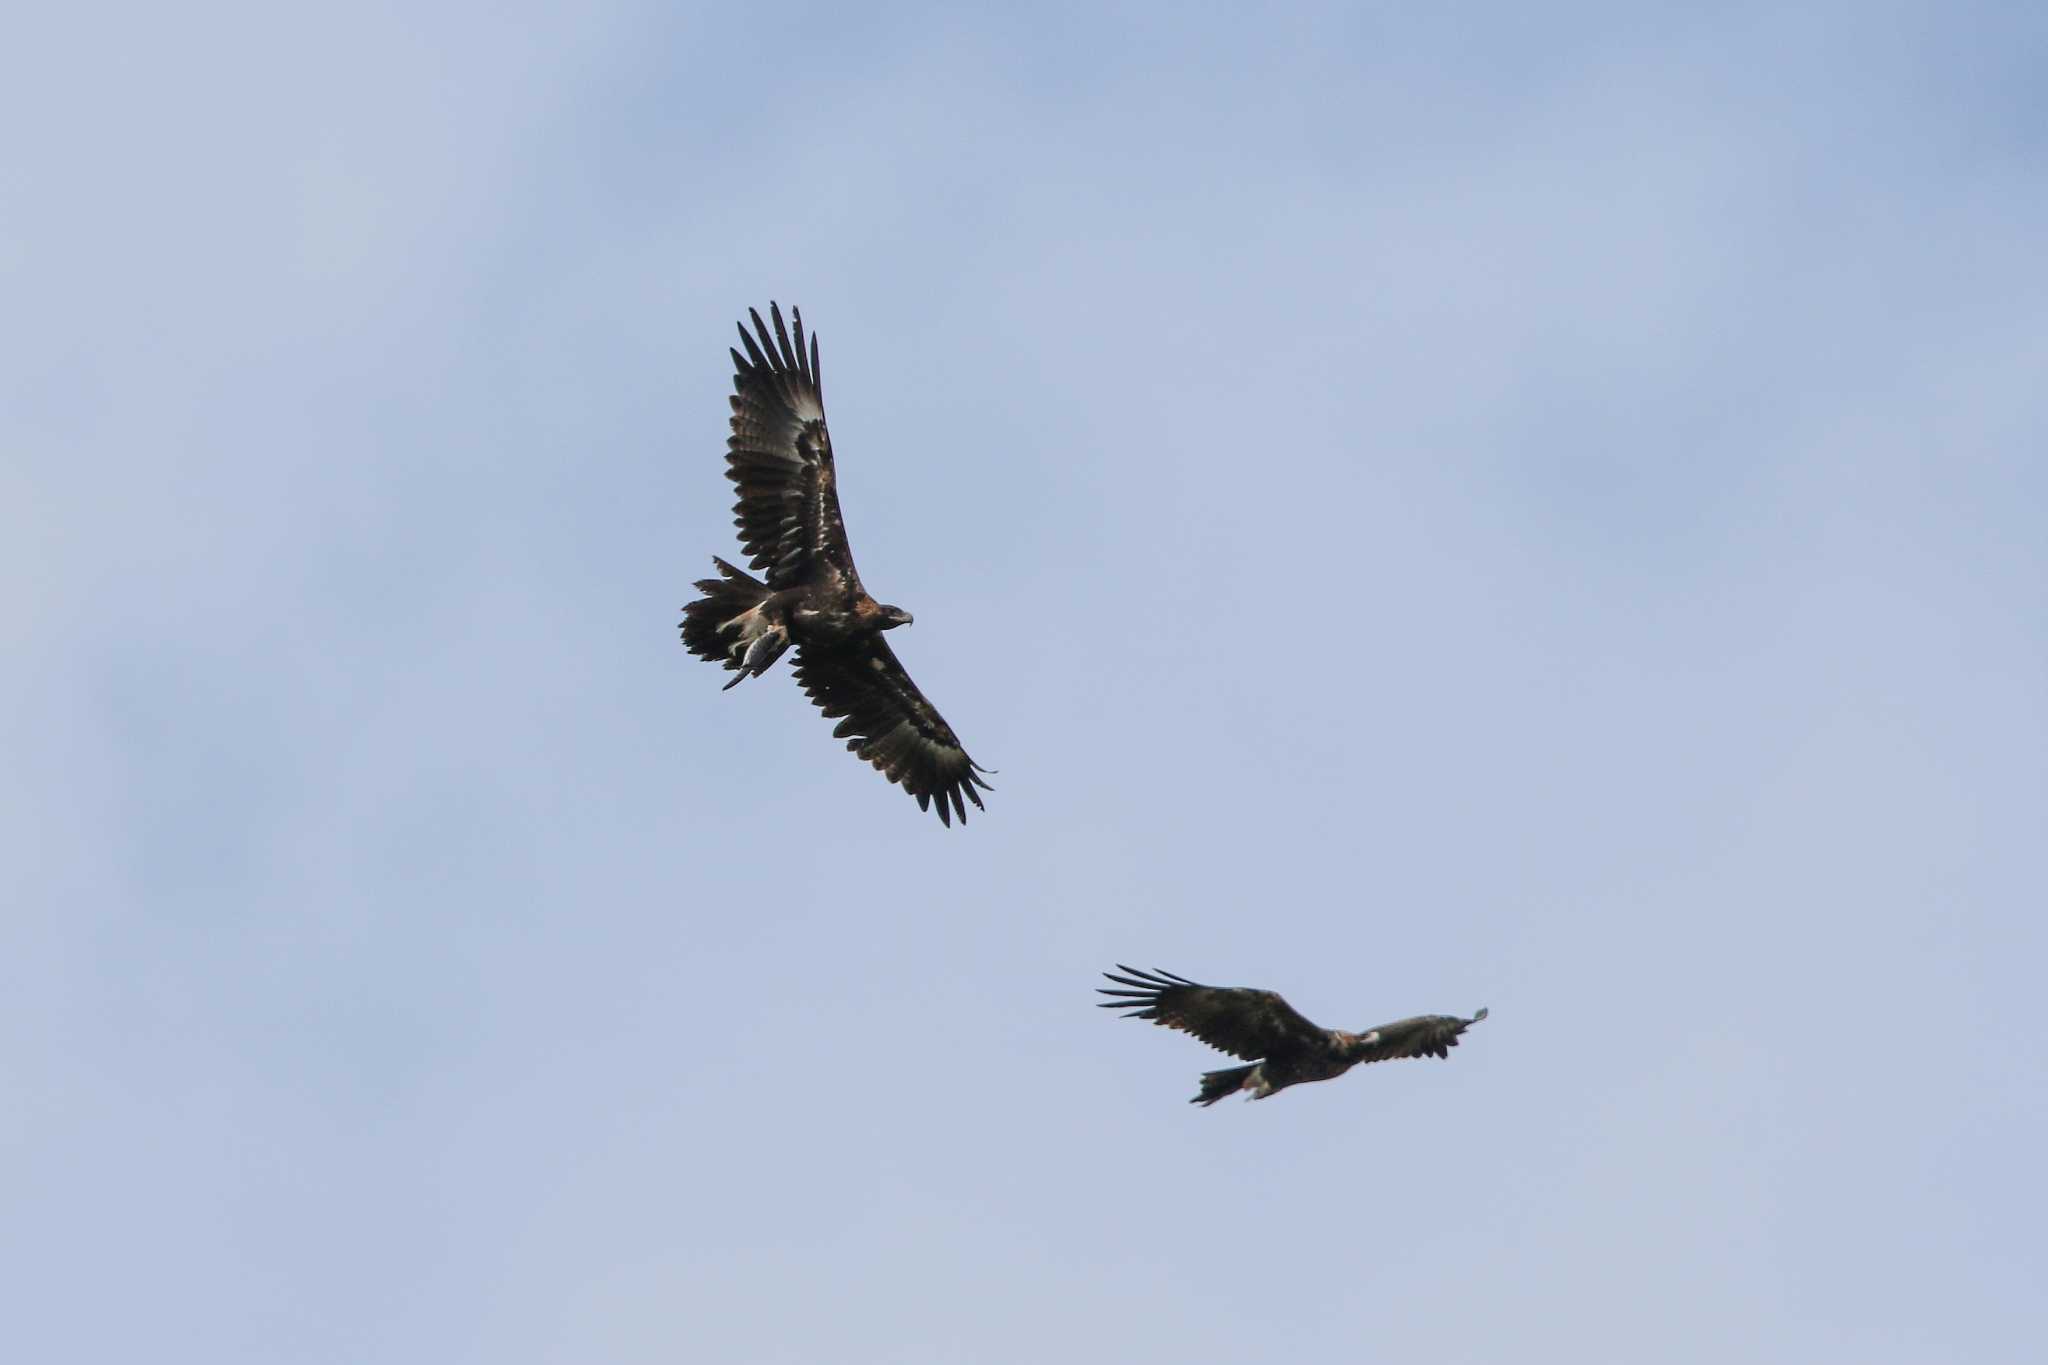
<point>1261,1028</point>
<point>779,457</point>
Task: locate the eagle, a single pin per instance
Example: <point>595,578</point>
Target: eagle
<point>1283,1048</point>
<point>779,457</point>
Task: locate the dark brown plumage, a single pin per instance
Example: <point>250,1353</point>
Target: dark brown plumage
<point>1263,1029</point>
<point>779,458</point>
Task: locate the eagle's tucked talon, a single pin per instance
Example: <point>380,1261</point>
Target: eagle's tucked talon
<point>765,650</point>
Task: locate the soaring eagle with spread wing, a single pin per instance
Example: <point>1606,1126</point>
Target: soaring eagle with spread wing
<point>1284,1048</point>
<point>779,456</point>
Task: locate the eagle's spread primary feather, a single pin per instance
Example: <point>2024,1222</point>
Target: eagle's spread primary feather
<point>779,458</point>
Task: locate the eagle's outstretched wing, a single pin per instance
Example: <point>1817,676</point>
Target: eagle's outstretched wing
<point>889,723</point>
<point>779,455</point>
<point>1426,1035</point>
<point>1246,1023</point>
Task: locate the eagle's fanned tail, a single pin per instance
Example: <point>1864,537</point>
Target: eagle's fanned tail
<point>1217,1084</point>
<point>724,625</point>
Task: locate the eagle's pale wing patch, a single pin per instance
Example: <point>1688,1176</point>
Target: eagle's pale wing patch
<point>887,721</point>
<point>1246,1023</point>
<point>779,455</point>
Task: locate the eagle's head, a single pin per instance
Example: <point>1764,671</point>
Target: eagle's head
<point>893,617</point>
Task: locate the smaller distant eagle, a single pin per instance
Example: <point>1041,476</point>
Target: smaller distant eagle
<point>1284,1048</point>
<point>779,458</point>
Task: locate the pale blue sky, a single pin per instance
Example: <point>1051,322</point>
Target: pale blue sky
<point>1426,506</point>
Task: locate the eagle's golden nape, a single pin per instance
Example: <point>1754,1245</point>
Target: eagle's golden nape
<point>1259,1027</point>
<point>779,458</point>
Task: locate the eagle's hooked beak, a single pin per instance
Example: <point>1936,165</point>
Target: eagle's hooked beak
<point>895,616</point>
